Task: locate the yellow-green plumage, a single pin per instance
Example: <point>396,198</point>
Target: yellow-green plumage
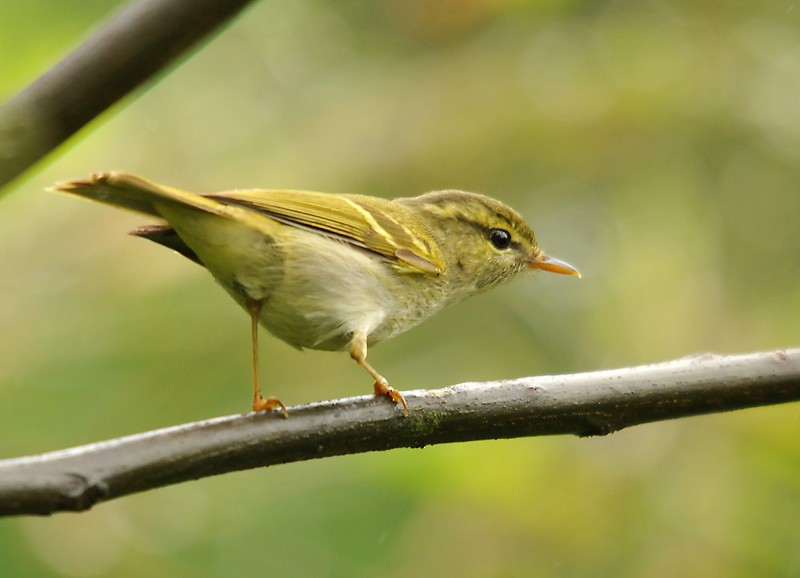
<point>334,271</point>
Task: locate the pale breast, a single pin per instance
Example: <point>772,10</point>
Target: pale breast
<point>329,290</point>
<point>315,291</point>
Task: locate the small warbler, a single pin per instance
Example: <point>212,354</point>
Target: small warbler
<point>334,272</point>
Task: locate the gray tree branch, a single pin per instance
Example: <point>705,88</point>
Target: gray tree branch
<point>134,45</point>
<point>584,404</point>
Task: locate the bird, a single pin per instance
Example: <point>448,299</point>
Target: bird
<point>333,271</point>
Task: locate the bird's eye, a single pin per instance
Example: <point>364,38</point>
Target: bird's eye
<point>500,238</point>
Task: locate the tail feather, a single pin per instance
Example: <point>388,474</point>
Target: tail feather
<point>137,194</point>
<point>166,236</point>
<point>118,189</point>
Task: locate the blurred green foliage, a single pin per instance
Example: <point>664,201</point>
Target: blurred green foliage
<point>656,145</point>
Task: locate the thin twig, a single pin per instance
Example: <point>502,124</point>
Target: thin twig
<point>585,404</point>
<point>135,44</point>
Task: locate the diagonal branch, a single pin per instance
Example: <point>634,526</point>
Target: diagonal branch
<point>584,404</point>
<point>134,45</point>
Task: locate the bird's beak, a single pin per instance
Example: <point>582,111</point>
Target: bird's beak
<point>545,263</point>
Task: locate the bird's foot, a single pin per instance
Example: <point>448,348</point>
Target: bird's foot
<point>382,388</point>
<point>261,404</point>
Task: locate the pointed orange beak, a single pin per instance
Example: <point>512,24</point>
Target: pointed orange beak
<point>554,265</point>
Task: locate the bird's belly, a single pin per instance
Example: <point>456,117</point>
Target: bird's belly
<point>330,291</point>
<point>317,325</point>
<point>314,291</point>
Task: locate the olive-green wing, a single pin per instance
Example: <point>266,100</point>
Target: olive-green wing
<point>377,225</point>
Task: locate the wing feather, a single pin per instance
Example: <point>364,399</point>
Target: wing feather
<point>374,224</point>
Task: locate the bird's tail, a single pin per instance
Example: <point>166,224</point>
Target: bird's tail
<point>137,194</point>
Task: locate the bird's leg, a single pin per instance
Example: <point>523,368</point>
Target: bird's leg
<point>259,403</point>
<point>358,351</point>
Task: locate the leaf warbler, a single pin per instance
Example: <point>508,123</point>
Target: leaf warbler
<point>334,272</point>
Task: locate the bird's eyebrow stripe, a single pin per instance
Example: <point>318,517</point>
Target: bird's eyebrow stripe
<point>484,230</point>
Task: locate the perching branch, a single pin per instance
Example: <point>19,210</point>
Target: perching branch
<point>584,404</point>
<point>130,48</point>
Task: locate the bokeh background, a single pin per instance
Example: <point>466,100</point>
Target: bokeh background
<point>655,145</point>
